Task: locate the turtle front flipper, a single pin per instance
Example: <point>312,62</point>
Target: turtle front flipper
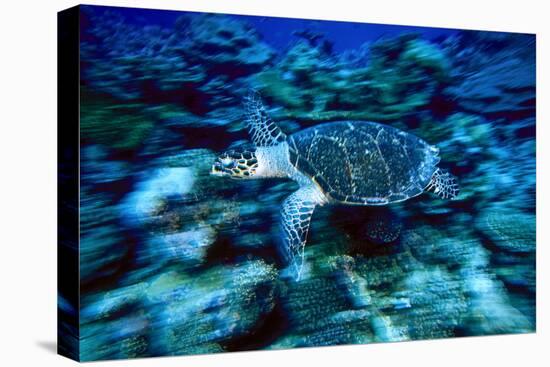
<point>295,219</point>
<point>443,184</point>
<point>263,131</point>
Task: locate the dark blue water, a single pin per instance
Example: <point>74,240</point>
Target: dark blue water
<point>280,32</point>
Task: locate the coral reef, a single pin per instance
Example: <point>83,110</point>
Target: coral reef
<point>400,78</point>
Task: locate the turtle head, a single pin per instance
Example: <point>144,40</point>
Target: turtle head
<point>235,164</point>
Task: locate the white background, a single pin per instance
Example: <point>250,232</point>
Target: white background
<point>28,182</point>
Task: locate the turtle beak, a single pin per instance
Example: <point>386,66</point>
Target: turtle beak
<point>217,169</point>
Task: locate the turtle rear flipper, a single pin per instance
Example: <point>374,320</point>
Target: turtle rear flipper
<point>443,184</point>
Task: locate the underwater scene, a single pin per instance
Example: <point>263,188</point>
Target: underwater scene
<point>267,183</point>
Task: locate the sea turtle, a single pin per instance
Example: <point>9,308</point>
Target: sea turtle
<point>343,162</point>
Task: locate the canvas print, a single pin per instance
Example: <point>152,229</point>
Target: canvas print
<point>261,183</point>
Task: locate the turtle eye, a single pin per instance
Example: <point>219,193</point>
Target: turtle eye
<point>227,162</point>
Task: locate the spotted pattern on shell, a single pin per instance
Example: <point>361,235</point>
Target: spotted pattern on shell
<point>363,163</point>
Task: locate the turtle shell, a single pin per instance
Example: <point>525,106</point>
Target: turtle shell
<point>363,163</point>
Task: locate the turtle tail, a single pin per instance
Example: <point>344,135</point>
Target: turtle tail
<point>443,184</point>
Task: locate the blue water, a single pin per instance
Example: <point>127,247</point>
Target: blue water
<point>176,261</point>
<point>278,32</point>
